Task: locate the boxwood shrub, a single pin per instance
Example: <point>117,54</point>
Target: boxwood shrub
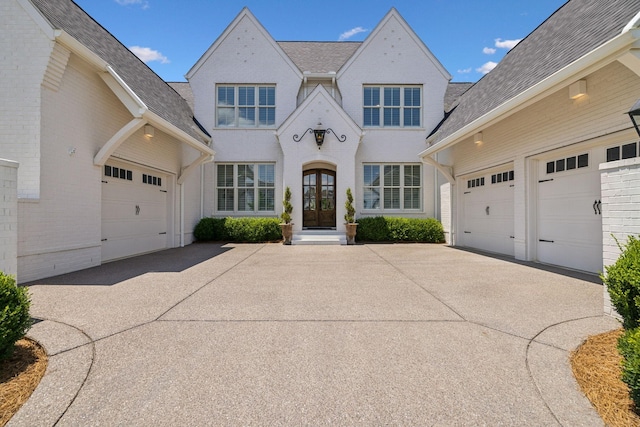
<point>623,283</point>
<point>14,314</point>
<point>397,229</point>
<point>629,347</point>
<point>248,230</point>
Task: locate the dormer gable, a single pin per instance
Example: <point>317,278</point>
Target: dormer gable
<point>241,36</point>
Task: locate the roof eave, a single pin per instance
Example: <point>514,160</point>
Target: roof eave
<point>127,96</point>
<point>613,46</point>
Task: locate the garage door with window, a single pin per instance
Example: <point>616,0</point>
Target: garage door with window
<point>134,211</point>
<point>569,222</point>
<point>487,212</point>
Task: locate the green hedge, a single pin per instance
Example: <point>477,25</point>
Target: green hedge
<point>246,230</point>
<point>14,314</point>
<point>396,229</point>
<point>623,283</point>
<point>629,348</point>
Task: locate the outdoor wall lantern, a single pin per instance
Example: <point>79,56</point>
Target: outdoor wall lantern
<point>635,113</point>
<point>319,134</point>
<point>149,131</point>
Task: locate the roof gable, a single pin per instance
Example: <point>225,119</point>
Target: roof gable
<point>319,92</point>
<point>319,57</point>
<point>573,31</point>
<point>158,97</point>
<point>394,15</point>
<point>245,14</point>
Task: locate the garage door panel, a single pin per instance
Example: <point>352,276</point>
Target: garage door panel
<point>569,229</point>
<point>134,214</point>
<point>487,217</point>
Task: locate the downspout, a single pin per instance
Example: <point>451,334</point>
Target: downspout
<point>202,191</point>
<point>181,215</point>
<point>447,172</point>
<point>436,191</point>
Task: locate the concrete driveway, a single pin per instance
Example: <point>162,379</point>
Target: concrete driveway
<point>301,335</point>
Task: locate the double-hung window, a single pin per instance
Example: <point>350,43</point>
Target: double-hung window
<point>392,187</point>
<point>246,187</point>
<point>392,106</point>
<point>246,106</point>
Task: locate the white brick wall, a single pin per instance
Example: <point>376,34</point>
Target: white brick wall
<point>445,211</point>
<point>25,50</point>
<point>620,182</point>
<point>9,217</point>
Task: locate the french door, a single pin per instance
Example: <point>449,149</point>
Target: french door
<point>319,198</point>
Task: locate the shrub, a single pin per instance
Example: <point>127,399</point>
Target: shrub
<point>396,229</point>
<point>14,314</point>
<point>287,206</point>
<point>623,283</point>
<point>629,347</point>
<point>211,229</point>
<point>250,230</point>
<point>349,216</point>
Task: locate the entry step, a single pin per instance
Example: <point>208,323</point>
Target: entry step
<point>319,237</point>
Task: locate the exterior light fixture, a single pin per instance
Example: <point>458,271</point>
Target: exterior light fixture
<point>477,138</point>
<point>149,131</point>
<point>635,113</point>
<point>319,133</point>
<point>578,89</point>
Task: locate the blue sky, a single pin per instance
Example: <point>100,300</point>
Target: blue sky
<point>467,36</point>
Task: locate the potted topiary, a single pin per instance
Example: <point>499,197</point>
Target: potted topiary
<point>286,225</point>
<point>350,219</point>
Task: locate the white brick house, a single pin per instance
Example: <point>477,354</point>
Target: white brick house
<point>536,161</point>
<point>258,98</point>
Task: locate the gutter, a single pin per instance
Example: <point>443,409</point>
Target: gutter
<point>531,95</point>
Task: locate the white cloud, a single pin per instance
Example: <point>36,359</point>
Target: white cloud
<point>506,44</point>
<point>488,51</point>
<point>352,32</point>
<point>465,71</point>
<point>147,54</point>
<point>487,67</point>
<point>143,3</point>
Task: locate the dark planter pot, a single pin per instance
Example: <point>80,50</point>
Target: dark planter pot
<point>351,233</point>
<point>287,233</point>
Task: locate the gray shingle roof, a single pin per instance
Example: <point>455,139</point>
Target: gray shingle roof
<point>574,30</point>
<point>185,91</point>
<point>152,90</point>
<point>319,57</point>
<point>454,91</point>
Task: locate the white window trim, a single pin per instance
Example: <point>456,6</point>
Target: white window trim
<point>236,107</point>
<point>256,211</point>
<point>402,107</point>
<point>381,209</point>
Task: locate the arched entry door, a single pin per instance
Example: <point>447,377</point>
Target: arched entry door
<point>319,198</point>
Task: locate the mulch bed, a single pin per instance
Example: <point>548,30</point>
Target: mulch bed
<point>19,376</point>
<point>596,366</point>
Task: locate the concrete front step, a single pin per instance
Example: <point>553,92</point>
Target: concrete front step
<point>319,237</point>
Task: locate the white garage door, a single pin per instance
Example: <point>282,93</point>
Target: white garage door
<point>569,223</point>
<point>134,211</point>
<point>487,212</point>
